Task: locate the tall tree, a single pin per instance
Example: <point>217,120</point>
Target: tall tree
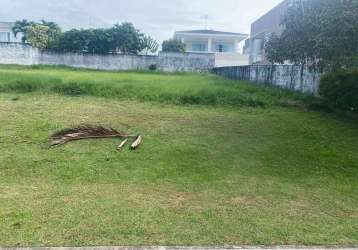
<point>318,33</point>
<point>125,38</point>
<point>100,41</point>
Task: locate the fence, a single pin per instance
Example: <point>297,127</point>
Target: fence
<point>286,76</point>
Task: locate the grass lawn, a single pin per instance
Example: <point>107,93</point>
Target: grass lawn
<point>225,172</point>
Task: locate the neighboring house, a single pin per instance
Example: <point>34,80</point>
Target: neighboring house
<point>262,29</point>
<point>6,34</point>
<point>225,45</point>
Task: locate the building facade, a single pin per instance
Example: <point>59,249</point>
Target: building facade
<point>225,45</point>
<point>262,29</point>
<point>6,34</point>
<point>210,41</point>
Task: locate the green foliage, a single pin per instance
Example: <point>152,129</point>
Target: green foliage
<point>274,51</point>
<point>320,33</point>
<point>99,41</point>
<point>75,40</point>
<point>53,33</point>
<point>121,38</point>
<point>21,27</point>
<point>173,45</point>
<point>126,39</point>
<point>37,36</point>
<point>43,35</point>
<point>340,90</point>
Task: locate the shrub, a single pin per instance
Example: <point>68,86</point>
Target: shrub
<point>153,67</point>
<point>340,90</point>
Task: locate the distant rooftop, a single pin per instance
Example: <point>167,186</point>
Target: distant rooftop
<point>7,25</point>
<point>211,32</point>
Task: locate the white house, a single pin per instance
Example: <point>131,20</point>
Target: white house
<point>225,45</point>
<point>6,34</point>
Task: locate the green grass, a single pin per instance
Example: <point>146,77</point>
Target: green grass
<point>144,86</point>
<point>205,175</point>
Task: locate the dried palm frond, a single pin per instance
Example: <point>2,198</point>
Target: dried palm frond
<point>86,132</point>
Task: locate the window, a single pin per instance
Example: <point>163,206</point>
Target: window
<point>200,47</point>
<point>222,47</point>
<point>4,37</point>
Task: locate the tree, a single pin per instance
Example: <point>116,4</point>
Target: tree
<point>37,36</point>
<point>75,40</point>
<point>149,44</point>
<point>29,29</point>
<point>173,45</point>
<point>53,33</point>
<point>274,51</point>
<point>126,39</point>
<point>319,33</point>
<point>21,27</point>
<point>100,41</point>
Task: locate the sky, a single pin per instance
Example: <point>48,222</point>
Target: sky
<point>158,18</point>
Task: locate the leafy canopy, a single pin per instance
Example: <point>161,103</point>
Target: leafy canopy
<point>121,38</point>
<point>173,45</point>
<point>318,33</point>
<point>43,35</point>
<point>37,35</point>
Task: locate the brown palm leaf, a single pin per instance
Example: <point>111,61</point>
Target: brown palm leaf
<point>86,132</point>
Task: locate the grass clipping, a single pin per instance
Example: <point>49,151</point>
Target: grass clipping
<point>94,132</point>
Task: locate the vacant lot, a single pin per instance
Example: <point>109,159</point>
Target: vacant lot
<point>224,172</point>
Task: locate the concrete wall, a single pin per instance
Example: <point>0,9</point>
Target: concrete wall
<point>18,53</point>
<point>285,76</point>
<point>23,54</point>
<point>231,59</point>
<point>172,62</point>
<point>103,62</point>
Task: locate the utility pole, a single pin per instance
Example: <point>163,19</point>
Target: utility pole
<point>206,20</point>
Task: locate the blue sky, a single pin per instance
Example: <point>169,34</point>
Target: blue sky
<point>159,18</point>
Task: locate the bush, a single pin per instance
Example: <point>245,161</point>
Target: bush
<point>340,90</point>
<point>173,45</point>
<point>153,67</point>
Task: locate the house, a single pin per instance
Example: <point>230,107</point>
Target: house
<point>225,45</point>
<point>6,34</point>
<point>262,29</point>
